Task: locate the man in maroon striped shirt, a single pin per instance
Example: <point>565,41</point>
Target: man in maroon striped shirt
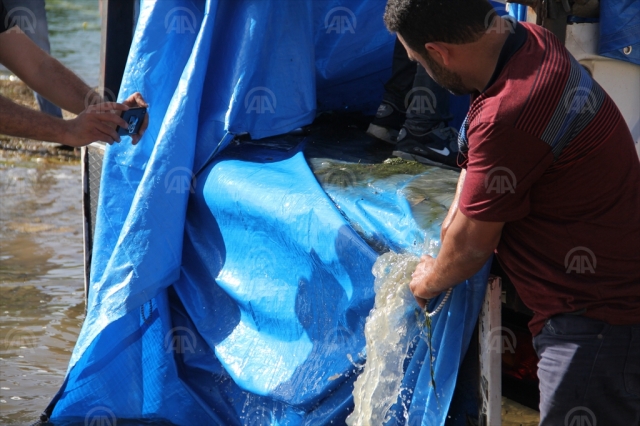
<point>551,183</point>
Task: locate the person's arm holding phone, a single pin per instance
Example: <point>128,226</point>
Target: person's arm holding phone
<point>96,120</point>
<point>90,126</point>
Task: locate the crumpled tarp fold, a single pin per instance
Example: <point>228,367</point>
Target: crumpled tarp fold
<point>226,285</point>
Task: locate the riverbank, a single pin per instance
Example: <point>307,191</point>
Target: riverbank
<point>18,92</point>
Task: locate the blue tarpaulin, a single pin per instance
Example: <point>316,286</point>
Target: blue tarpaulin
<point>620,30</point>
<point>226,286</point>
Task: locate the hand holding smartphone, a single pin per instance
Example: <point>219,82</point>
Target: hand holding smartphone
<point>134,117</point>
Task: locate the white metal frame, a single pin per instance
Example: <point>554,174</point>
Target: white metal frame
<point>490,329</point>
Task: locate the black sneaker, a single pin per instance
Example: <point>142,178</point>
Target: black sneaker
<point>437,147</point>
<point>387,123</point>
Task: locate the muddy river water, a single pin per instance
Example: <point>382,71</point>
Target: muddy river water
<point>41,280</point>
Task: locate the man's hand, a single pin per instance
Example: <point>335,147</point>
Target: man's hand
<point>99,122</point>
<point>468,245</point>
<point>135,101</point>
<point>420,281</point>
<point>96,123</point>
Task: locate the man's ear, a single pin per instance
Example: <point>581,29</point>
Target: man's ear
<point>439,52</point>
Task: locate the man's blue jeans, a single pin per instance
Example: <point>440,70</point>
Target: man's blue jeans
<point>589,372</point>
<point>31,17</point>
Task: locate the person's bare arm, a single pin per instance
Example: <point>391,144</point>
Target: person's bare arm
<point>45,74</point>
<point>94,124</point>
<point>454,206</point>
<point>17,120</point>
<point>96,121</point>
<point>468,245</point>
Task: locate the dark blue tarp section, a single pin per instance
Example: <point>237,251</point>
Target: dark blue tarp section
<point>620,30</point>
<point>226,287</point>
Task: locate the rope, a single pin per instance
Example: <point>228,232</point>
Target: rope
<point>440,306</point>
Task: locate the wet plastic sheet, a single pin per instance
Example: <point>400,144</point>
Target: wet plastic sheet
<point>227,288</point>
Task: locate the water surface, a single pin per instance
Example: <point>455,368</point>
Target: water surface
<point>74,34</point>
<point>41,281</point>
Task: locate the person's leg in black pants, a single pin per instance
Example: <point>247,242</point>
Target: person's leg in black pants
<point>427,104</point>
<point>411,99</point>
<point>391,112</point>
<point>414,112</point>
<point>403,73</point>
<point>425,136</point>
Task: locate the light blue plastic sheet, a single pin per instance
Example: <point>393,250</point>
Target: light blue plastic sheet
<point>226,287</point>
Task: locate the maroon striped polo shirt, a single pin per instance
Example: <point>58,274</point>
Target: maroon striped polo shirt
<point>548,152</point>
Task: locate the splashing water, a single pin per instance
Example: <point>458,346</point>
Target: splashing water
<point>390,332</point>
<point>396,324</point>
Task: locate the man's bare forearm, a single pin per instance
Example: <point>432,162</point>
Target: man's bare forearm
<point>96,120</point>
<point>459,186</point>
<point>63,87</point>
<point>45,74</point>
<point>458,260</point>
<point>454,205</point>
<point>17,120</point>
<point>468,245</point>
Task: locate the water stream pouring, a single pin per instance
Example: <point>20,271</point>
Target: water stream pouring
<point>392,331</point>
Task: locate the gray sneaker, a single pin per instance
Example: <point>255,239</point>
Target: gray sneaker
<point>387,123</point>
<point>437,147</point>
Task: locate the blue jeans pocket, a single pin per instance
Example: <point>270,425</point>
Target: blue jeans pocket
<point>632,364</point>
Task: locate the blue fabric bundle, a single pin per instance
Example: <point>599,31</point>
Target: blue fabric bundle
<point>226,287</point>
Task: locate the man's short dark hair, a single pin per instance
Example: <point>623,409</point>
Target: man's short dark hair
<point>449,21</point>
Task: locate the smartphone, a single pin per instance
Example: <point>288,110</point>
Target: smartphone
<point>134,117</point>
